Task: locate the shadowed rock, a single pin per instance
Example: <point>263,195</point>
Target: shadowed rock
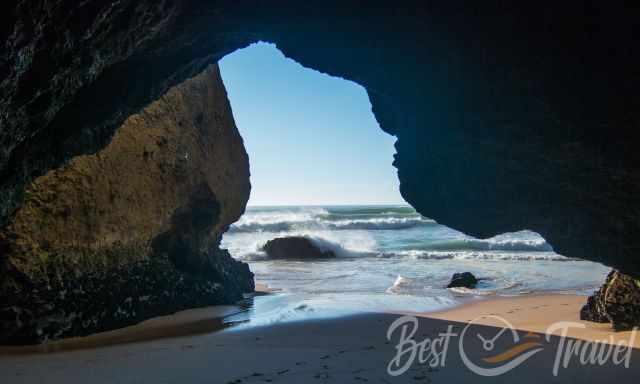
<point>295,247</point>
<point>500,109</point>
<point>508,115</point>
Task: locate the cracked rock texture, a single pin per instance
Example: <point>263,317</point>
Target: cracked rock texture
<point>616,302</point>
<point>132,231</point>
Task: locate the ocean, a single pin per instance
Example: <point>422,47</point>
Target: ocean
<point>392,259</point>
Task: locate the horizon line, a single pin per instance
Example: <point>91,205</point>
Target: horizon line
<point>325,204</point>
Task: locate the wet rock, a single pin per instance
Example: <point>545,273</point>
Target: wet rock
<point>616,302</point>
<point>295,247</point>
<point>464,279</point>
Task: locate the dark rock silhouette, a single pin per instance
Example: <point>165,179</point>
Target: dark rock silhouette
<point>500,109</point>
<point>295,247</point>
<point>616,302</point>
<point>508,115</point>
<point>464,279</point>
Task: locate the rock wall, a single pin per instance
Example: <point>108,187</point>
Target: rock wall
<point>133,230</point>
<point>508,115</point>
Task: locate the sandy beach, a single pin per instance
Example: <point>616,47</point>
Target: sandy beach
<point>340,350</point>
<point>534,313</point>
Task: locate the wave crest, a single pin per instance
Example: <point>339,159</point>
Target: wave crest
<point>522,245</point>
<point>467,255</point>
<point>297,223</point>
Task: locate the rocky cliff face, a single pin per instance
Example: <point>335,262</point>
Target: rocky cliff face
<point>131,231</point>
<point>508,116</point>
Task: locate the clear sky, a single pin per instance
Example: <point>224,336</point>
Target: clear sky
<point>312,138</point>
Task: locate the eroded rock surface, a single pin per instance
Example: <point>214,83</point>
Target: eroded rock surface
<point>132,231</point>
<point>616,302</point>
<point>508,116</point>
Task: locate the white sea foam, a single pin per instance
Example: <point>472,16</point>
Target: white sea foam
<point>479,255</point>
<point>398,285</point>
<point>276,220</point>
<point>295,222</point>
<point>380,223</point>
<point>531,245</point>
<point>394,252</point>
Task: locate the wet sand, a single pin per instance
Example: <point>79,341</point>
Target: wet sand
<point>185,323</point>
<point>351,349</point>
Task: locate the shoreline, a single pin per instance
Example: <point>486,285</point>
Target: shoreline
<point>180,324</point>
<point>184,323</point>
<point>531,312</point>
<point>350,349</point>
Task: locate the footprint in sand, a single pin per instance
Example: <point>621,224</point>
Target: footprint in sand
<point>368,348</point>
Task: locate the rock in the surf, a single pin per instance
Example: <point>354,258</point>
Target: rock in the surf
<point>616,302</point>
<point>464,279</point>
<point>295,247</point>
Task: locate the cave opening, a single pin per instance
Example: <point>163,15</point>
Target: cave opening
<point>321,169</point>
<point>122,167</point>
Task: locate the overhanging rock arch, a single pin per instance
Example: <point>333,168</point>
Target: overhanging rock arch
<point>502,111</point>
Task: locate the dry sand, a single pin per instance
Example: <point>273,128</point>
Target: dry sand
<point>342,350</point>
<point>535,313</point>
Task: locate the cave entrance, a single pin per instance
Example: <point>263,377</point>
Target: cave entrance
<point>312,139</point>
<point>321,168</point>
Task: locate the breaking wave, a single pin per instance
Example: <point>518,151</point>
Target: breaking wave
<point>320,219</point>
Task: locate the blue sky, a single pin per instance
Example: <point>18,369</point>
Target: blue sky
<point>312,138</point>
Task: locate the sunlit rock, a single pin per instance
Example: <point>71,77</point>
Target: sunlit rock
<point>616,302</point>
<point>132,231</point>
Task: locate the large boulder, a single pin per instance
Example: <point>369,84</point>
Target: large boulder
<point>616,302</point>
<point>131,232</point>
<point>295,247</point>
<point>464,279</point>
